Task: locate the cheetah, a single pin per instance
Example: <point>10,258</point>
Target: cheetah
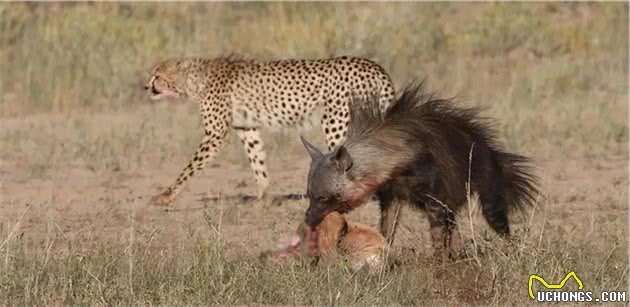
<point>247,95</point>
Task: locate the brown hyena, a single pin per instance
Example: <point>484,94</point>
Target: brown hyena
<point>247,96</point>
<point>423,151</point>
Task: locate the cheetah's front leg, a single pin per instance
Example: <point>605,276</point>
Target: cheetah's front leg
<point>212,142</point>
<point>253,144</point>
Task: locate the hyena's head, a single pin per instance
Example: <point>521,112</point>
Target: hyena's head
<point>334,183</point>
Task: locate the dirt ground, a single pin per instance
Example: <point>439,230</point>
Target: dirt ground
<point>78,205</point>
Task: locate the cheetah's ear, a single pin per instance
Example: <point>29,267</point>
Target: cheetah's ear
<point>315,153</point>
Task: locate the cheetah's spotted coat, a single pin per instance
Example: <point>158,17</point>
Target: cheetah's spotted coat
<point>247,95</point>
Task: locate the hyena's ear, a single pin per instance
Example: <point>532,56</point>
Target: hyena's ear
<point>343,159</point>
<point>312,150</point>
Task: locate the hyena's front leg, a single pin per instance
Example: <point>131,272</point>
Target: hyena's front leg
<point>213,140</point>
<point>253,144</point>
<point>390,218</point>
<point>390,214</point>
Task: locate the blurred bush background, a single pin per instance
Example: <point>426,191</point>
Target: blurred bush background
<point>546,71</point>
<point>64,56</point>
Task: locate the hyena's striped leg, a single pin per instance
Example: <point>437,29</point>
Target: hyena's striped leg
<point>208,148</point>
<point>444,235</point>
<point>390,218</point>
<point>253,144</point>
<point>390,214</point>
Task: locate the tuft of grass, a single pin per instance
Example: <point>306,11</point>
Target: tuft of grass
<point>195,271</point>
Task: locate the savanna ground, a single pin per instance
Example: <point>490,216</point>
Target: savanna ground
<point>82,149</point>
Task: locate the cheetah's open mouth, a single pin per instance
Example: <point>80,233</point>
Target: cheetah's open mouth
<point>154,93</point>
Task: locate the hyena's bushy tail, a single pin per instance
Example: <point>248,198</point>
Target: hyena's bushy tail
<point>520,184</point>
<point>517,184</point>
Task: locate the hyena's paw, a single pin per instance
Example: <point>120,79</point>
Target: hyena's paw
<point>163,199</point>
<point>468,250</point>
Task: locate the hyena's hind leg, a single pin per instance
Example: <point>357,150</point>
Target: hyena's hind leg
<point>445,238</point>
<point>495,211</point>
<point>253,145</point>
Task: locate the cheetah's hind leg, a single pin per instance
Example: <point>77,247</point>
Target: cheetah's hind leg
<point>253,145</point>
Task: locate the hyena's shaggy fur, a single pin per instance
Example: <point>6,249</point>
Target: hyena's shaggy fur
<point>421,152</point>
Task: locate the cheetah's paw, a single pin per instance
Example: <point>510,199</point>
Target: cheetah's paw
<point>163,199</point>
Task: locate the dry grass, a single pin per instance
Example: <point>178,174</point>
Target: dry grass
<point>198,272</point>
<point>553,75</point>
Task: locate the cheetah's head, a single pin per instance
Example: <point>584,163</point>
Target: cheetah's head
<point>168,79</point>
